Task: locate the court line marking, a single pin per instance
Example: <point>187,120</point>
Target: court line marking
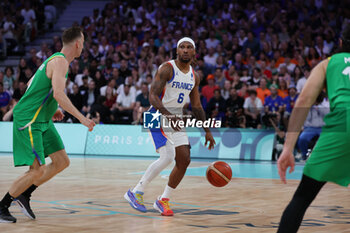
<point>205,206</point>
<point>274,166</point>
<point>110,212</point>
<point>59,202</point>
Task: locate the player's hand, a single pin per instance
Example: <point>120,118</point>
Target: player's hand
<point>58,116</point>
<point>285,160</point>
<point>174,122</point>
<point>88,123</point>
<point>209,138</point>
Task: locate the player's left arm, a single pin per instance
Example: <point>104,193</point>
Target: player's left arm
<point>199,113</point>
<point>313,86</point>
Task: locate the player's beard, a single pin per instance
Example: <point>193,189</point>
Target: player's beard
<point>185,60</point>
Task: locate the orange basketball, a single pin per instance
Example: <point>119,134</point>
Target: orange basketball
<point>219,174</point>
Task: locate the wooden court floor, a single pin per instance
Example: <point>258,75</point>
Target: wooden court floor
<point>88,197</point>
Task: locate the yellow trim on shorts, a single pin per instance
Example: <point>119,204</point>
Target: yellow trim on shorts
<point>31,136</point>
<point>32,143</point>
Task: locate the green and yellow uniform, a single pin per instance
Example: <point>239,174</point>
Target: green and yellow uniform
<point>34,135</point>
<point>330,159</point>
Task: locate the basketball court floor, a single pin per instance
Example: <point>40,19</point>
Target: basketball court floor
<point>88,197</point>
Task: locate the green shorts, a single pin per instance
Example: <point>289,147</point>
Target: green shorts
<point>330,159</point>
<point>46,141</point>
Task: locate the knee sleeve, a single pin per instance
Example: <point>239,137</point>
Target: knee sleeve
<point>308,189</point>
<point>167,155</point>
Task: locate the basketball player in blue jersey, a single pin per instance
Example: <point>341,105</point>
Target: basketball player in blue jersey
<point>174,82</point>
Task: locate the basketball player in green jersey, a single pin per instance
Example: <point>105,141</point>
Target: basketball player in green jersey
<point>330,159</point>
<point>34,135</point>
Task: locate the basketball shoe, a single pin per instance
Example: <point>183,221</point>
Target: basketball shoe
<point>23,203</point>
<point>135,200</point>
<point>162,205</point>
<point>5,215</point>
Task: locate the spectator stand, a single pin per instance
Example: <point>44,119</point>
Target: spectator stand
<point>236,48</point>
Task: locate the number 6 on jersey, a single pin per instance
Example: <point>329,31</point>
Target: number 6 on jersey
<point>181,98</point>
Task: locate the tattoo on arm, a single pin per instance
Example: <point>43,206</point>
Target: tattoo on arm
<point>157,87</point>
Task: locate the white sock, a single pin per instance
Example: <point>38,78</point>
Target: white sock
<point>167,192</point>
<point>140,187</point>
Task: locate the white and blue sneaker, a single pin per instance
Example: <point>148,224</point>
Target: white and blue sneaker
<point>135,200</point>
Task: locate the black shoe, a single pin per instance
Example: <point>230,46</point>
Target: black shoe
<point>5,215</point>
<point>23,203</point>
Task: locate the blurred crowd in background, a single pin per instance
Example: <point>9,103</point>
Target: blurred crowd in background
<point>22,21</point>
<point>253,57</point>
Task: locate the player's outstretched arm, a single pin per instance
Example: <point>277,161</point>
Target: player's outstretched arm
<point>199,113</point>
<point>313,86</point>
<point>59,68</point>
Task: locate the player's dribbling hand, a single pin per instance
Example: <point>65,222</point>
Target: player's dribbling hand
<point>58,116</point>
<point>285,160</point>
<point>174,122</point>
<point>209,138</point>
<point>88,123</point>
